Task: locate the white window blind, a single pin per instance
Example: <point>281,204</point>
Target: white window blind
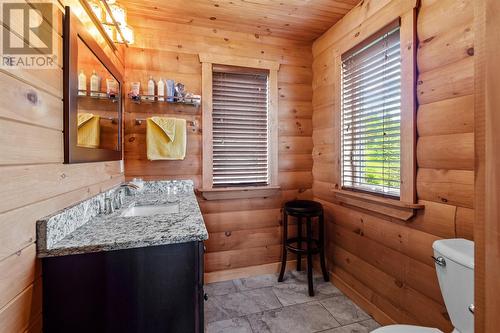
<point>371,114</point>
<point>240,126</point>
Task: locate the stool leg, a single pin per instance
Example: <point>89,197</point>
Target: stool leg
<point>309,258</point>
<point>322,247</point>
<point>299,242</point>
<point>285,237</point>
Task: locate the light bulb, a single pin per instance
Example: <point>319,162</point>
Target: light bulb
<point>97,10</point>
<point>120,15</point>
<point>128,34</point>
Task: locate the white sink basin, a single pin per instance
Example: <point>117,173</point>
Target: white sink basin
<point>151,210</point>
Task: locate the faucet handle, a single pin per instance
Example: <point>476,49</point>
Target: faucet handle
<point>108,205</point>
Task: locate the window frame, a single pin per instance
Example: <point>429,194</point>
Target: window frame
<point>357,187</point>
<point>208,191</point>
<point>408,166</point>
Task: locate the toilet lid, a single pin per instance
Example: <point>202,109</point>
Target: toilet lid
<point>406,329</point>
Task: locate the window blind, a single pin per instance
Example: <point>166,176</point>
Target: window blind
<point>371,114</point>
<point>240,127</point>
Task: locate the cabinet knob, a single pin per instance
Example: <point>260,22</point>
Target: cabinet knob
<point>205,297</point>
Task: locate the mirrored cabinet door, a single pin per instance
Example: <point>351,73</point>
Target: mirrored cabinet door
<point>92,98</point>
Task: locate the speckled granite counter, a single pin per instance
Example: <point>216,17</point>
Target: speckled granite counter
<point>82,229</point>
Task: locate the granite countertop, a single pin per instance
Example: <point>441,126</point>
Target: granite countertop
<point>83,229</point>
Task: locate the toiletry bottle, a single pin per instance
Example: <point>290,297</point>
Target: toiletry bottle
<point>151,89</point>
<point>161,90</point>
<point>135,91</point>
<point>170,90</point>
<point>82,84</point>
<point>111,87</point>
<point>95,84</point>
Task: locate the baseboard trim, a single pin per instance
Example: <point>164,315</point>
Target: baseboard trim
<point>244,272</point>
<point>380,316</point>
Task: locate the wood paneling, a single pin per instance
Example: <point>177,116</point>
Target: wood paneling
<point>362,247</point>
<point>291,19</point>
<point>35,183</point>
<point>487,196</point>
<point>242,232</point>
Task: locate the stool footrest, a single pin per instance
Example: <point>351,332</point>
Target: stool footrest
<point>301,251</point>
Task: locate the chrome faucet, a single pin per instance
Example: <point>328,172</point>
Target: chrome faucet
<point>130,185</point>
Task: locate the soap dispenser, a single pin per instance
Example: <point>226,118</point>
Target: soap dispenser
<point>151,89</point>
<point>95,84</point>
<point>82,84</point>
<point>161,90</point>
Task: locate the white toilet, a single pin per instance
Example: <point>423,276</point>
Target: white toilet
<point>455,270</point>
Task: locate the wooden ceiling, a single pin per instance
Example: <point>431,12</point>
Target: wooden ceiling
<point>303,20</point>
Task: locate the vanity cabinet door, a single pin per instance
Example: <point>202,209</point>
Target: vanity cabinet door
<point>153,289</point>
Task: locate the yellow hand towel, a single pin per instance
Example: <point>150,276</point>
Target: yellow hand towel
<point>166,138</point>
<point>89,130</point>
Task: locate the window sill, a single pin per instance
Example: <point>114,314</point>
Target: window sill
<point>383,206</point>
<point>239,192</point>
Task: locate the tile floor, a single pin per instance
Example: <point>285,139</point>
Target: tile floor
<point>261,304</point>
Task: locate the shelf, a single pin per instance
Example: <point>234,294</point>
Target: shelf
<point>190,101</point>
<point>96,95</point>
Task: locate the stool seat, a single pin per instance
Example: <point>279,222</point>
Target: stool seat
<point>303,208</point>
<point>308,210</point>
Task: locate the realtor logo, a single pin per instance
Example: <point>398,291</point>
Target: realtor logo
<point>27,34</point>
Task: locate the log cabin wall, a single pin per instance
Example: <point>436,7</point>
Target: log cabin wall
<point>34,181</point>
<point>385,265</point>
<point>243,233</point>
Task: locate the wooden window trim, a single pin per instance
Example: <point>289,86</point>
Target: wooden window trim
<point>207,190</point>
<point>392,208</point>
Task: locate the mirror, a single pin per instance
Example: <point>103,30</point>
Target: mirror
<point>98,102</point>
<point>92,98</point>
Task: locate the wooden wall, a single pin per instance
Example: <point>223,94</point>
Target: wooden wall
<point>385,265</point>
<point>487,166</point>
<point>243,232</point>
<point>35,183</point>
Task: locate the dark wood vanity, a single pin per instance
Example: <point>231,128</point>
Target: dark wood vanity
<point>152,289</point>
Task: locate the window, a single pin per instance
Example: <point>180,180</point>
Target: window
<point>240,126</point>
<point>371,103</point>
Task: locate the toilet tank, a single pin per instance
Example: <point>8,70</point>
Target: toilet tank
<point>455,270</point>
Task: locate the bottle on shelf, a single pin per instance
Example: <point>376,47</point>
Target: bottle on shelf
<point>170,90</point>
<point>161,90</point>
<point>151,89</point>
<point>82,84</point>
<point>95,84</point>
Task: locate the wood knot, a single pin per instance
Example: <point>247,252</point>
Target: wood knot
<point>470,51</point>
<point>399,284</point>
<point>444,200</point>
<point>131,139</point>
<point>32,97</point>
<point>428,39</point>
<point>227,233</point>
<point>213,18</point>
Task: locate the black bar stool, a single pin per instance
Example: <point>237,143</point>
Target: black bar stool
<point>304,209</point>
